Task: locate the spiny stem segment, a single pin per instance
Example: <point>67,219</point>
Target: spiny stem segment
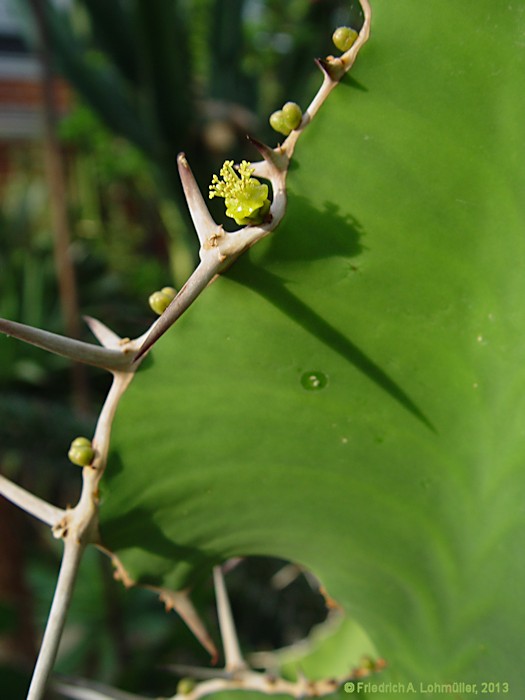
<point>33,505</point>
<point>80,689</point>
<point>105,358</point>
<point>245,197</point>
<point>78,527</point>
<point>205,226</point>
<point>236,675</point>
<point>73,551</point>
<point>208,269</point>
<point>232,651</point>
<point>181,603</point>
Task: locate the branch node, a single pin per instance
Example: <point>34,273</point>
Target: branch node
<point>274,158</point>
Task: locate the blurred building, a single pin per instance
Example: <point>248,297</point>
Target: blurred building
<point>21,95</point>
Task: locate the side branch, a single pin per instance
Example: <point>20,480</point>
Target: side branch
<point>249,681</point>
<point>333,70</point>
<point>79,689</point>
<point>35,506</point>
<point>67,347</point>
<point>206,271</point>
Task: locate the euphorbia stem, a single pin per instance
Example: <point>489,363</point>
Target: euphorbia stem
<point>73,551</point>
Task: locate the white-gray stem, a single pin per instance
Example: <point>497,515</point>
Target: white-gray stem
<point>84,690</point>
<point>204,273</point>
<point>233,660</point>
<point>66,347</point>
<point>33,505</point>
<point>73,550</point>
<point>200,215</point>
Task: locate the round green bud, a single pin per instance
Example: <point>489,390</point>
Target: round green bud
<point>277,122</point>
<point>185,686</point>
<point>292,115</point>
<point>81,452</point>
<point>344,38</point>
<point>159,301</point>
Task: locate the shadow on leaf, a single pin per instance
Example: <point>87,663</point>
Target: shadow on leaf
<point>338,236</point>
<point>317,234</point>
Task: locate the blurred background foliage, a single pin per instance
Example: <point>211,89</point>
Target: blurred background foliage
<point>149,78</point>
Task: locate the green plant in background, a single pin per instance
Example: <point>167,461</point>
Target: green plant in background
<point>27,283</point>
<point>348,394</point>
<point>116,209</point>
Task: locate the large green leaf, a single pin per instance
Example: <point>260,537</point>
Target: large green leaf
<point>350,396</point>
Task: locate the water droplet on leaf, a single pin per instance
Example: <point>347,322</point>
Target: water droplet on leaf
<point>314,380</point>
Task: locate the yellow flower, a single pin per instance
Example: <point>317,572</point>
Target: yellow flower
<point>245,197</point>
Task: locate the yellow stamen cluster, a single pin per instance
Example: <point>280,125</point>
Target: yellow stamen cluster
<point>245,197</point>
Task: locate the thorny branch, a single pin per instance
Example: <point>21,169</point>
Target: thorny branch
<point>78,526</point>
<point>33,505</point>
<point>236,674</point>
<point>73,551</point>
<point>247,680</point>
<point>218,248</point>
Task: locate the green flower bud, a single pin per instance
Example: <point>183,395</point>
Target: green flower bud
<point>81,452</point>
<point>344,38</point>
<point>159,301</point>
<point>185,686</point>
<point>278,124</point>
<point>292,114</point>
<point>277,121</point>
<point>286,119</point>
